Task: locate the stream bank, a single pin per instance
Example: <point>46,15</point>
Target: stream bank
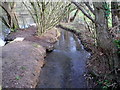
<point>22,60</point>
<point>98,71</point>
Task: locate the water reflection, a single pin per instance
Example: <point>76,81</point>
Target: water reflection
<point>69,42</point>
<point>65,66</point>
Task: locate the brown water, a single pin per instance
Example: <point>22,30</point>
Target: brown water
<point>65,66</point>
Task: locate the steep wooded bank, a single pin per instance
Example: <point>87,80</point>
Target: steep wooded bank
<point>96,64</point>
<point>104,40</point>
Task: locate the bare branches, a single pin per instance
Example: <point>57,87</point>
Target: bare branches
<point>75,3</point>
<point>4,21</point>
<point>47,14</point>
<point>11,21</point>
<point>87,4</point>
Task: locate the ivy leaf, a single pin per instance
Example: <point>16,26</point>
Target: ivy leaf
<point>105,87</point>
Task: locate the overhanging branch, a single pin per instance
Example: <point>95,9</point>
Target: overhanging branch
<point>76,4</point>
<point>87,4</point>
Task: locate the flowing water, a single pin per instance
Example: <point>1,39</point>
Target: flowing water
<point>65,66</point>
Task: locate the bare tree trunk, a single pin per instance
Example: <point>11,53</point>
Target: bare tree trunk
<point>6,6</point>
<point>115,13</point>
<point>104,39</point>
<point>11,16</point>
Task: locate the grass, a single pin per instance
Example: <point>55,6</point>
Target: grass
<point>36,45</point>
<point>17,77</point>
<point>23,68</point>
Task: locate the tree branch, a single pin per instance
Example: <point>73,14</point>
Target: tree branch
<point>76,4</point>
<point>87,4</point>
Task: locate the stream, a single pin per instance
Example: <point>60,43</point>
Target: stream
<point>65,65</point>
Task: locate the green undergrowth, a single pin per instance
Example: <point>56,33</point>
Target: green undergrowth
<point>117,42</point>
<point>36,45</point>
<point>106,85</point>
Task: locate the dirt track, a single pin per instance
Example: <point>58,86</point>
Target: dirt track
<point>22,61</point>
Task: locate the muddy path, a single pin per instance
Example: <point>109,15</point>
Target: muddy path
<point>65,66</point>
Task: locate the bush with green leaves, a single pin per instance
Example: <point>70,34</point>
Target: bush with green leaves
<point>118,45</point>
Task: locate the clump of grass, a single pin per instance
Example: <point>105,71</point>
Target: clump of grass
<point>17,77</point>
<point>23,68</point>
<point>36,45</point>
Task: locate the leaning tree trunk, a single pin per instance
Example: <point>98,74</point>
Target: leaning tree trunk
<point>7,8</point>
<point>115,13</point>
<point>11,16</point>
<point>104,39</point>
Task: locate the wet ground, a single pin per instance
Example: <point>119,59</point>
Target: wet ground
<point>65,66</point>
